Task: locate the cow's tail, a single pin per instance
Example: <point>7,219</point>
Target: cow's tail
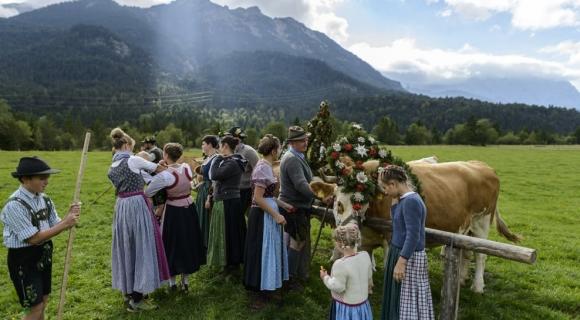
<point>503,229</point>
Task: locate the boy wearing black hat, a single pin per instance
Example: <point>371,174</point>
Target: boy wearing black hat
<point>150,146</point>
<point>30,221</point>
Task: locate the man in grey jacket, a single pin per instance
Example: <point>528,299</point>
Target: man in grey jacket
<point>252,158</point>
<point>295,176</point>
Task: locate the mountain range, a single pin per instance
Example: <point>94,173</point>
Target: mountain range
<point>90,53</point>
<point>182,36</point>
<point>529,90</point>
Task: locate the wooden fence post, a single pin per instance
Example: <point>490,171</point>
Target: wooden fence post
<point>451,287</point>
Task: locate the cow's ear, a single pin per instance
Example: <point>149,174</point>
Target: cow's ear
<point>322,189</point>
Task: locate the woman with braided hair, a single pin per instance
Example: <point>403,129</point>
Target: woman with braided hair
<point>351,279</point>
<point>407,294</point>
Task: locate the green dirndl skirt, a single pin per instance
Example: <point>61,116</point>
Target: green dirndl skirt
<point>203,213</point>
<point>392,288</point>
<point>216,254</point>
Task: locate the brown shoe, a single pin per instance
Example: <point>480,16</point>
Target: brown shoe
<point>258,301</point>
<point>294,285</point>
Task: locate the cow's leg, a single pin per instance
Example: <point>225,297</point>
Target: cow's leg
<point>385,251</point>
<point>369,243</point>
<point>369,248</point>
<point>480,229</point>
<point>478,283</point>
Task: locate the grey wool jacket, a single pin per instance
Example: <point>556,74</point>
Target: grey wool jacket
<point>227,172</point>
<point>295,175</point>
<point>252,157</point>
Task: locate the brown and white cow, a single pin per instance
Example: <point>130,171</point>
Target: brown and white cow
<point>195,165</point>
<point>461,197</point>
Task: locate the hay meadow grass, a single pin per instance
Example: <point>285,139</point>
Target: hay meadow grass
<point>540,199</point>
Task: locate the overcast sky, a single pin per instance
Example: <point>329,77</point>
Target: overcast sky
<point>438,40</point>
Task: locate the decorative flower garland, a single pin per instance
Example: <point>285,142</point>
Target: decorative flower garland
<point>359,146</point>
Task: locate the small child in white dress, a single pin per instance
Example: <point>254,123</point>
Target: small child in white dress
<point>351,279</point>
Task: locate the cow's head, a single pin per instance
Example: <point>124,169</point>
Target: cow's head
<point>379,205</point>
<point>195,165</point>
<point>342,206</point>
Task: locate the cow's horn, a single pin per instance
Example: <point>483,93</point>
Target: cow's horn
<point>326,178</point>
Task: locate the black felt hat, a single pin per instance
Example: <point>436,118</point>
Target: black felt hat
<point>150,139</point>
<point>32,166</point>
<point>237,132</point>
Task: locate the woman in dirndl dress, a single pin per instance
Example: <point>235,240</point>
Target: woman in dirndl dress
<point>351,279</point>
<point>227,231</point>
<point>209,145</point>
<point>180,225</point>
<point>407,294</point>
<point>266,259</point>
<point>138,264</point>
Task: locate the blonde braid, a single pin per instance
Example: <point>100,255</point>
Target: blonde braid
<point>347,236</point>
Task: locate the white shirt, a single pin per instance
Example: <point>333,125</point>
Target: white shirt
<point>165,179</point>
<point>17,221</point>
<point>139,166</point>
<point>351,278</point>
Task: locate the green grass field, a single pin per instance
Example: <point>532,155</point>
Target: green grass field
<point>539,200</point>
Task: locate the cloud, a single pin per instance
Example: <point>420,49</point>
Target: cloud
<point>316,14</point>
<point>476,9</point>
<point>7,12</point>
<point>568,48</point>
<point>495,28</point>
<point>35,4</point>
<point>445,13</point>
<point>526,14</point>
<point>141,3</point>
<point>404,59</point>
<point>536,15</point>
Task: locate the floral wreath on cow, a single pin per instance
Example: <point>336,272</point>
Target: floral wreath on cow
<point>359,146</point>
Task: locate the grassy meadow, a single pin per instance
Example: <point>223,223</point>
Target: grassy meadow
<point>539,199</point>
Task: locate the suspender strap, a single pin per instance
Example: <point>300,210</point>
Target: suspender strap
<point>35,216</point>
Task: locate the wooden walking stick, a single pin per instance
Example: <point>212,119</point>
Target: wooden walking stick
<point>319,233</point>
<point>71,233</point>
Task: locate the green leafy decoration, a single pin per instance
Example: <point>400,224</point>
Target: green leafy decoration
<point>359,146</point>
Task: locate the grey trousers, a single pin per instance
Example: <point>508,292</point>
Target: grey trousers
<point>299,260</point>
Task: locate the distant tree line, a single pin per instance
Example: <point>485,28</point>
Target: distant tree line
<point>479,132</point>
<point>65,130</point>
